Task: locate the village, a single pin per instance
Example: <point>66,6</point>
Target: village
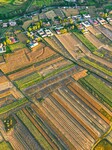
<point>56,80</point>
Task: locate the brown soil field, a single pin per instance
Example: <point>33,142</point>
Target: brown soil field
<point>73,113</point>
<point>22,37</point>
<point>52,43</point>
<point>41,54</point>
<point>21,73</point>
<point>108,26</point>
<point>93,30</point>
<point>70,11</point>
<point>68,41</point>
<point>48,63</point>
<point>80,75</point>
<point>40,129</point>
<point>5,93</point>
<point>93,40</point>
<point>52,125</point>
<point>14,61</point>
<point>81,93</point>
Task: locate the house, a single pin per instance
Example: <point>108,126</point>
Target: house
<point>86,24</point>
<point>102,21</point>
<point>109,20</point>
<point>86,16</point>
<point>5,25</point>
<point>32,44</point>
<point>42,33</point>
<point>12,23</point>
<point>48,32</point>
<point>94,22</point>
<point>2,48</point>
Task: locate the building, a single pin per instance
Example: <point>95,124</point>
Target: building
<point>2,48</point>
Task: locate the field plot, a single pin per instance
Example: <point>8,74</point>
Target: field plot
<point>17,46</point>
<point>105,53</point>
<point>104,39</point>
<point>85,41</point>
<point>98,89</point>
<point>32,127</point>
<point>94,31</point>
<point>94,40</point>
<point>71,44</point>
<point>108,26</point>
<point>21,73</point>
<point>5,145</point>
<point>90,62</point>
<point>104,144</point>
<point>13,61</point>
<point>73,116</point>
<point>70,11</point>
<point>105,31</point>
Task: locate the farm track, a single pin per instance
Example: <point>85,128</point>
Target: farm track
<point>40,130</point>
<point>54,125</point>
<point>77,134</point>
<point>83,111</point>
<point>75,88</point>
<point>71,111</point>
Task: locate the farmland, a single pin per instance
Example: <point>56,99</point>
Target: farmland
<point>5,145</point>
<point>97,87</point>
<point>56,82</point>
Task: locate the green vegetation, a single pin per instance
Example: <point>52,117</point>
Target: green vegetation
<point>13,105</point>
<point>9,122</point>
<point>104,39</point>
<point>106,114</point>
<point>101,91</point>
<point>38,136</point>
<point>96,66</point>
<point>103,145</point>
<point>5,146</point>
<point>98,53</point>
<point>58,71</point>
<point>35,77</point>
<point>52,135</point>
<point>85,41</point>
<point>16,46</point>
<point>28,80</point>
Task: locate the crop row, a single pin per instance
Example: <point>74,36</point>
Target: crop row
<point>13,105</point>
<point>96,66</point>
<point>97,88</point>
<point>32,128</point>
<point>86,42</point>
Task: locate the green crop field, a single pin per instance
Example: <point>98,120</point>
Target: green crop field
<point>85,41</point>
<point>5,146</point>
<point>38,136</point>
<point>98,89</point>
<point>103,145</point>
<point>12,106</point>
<point>93,64</point>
